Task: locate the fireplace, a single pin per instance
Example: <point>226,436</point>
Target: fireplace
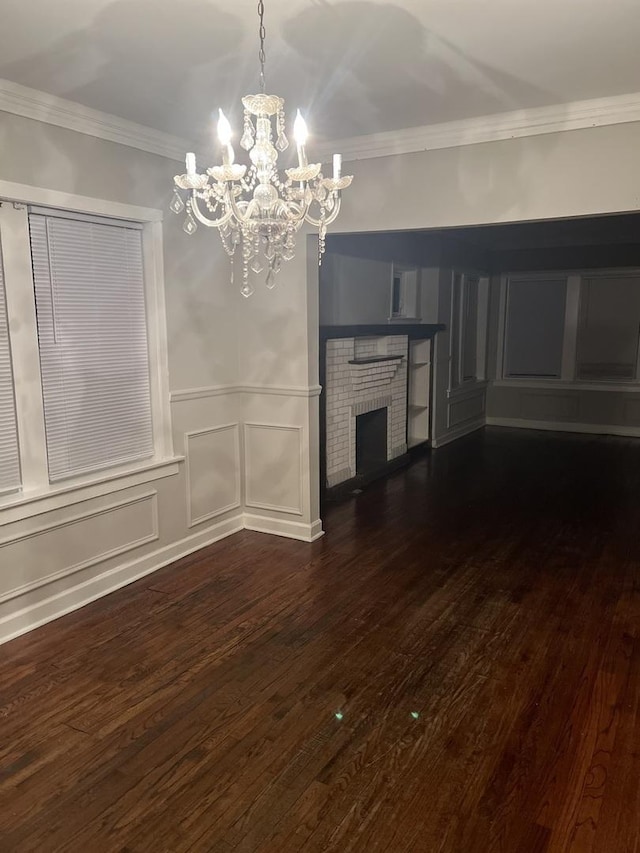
<point>371,441</point>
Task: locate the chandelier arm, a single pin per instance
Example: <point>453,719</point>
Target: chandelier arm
<point>299,211</point>
<point>317,223</point>
<point>235,212</point>
<point>205,220</point>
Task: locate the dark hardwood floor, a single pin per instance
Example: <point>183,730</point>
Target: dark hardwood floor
<point>454,668</point>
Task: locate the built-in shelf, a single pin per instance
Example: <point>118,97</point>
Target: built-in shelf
<point>418,392</point>
<point>373,359</point>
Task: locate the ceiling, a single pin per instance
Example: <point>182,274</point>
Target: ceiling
<point>354,66</point>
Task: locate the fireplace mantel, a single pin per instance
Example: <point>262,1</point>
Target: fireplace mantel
<point>414,331</point>
<point>376,359</point>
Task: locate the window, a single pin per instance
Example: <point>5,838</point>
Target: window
<point>89,290</point>
<point>404,292</point>
<point>534,332</point>
<point>608,328</point>
<point>83,384</point>
<point>9,459</point>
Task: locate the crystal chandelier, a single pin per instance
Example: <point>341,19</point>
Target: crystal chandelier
<point>257,212</point>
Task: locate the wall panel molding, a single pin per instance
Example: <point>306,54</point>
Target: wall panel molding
<point>77,519</point>
<point>264,481</point>
<point>470,407</point>
<point>558,426</point>
<point>235,491</point>
<point>19,617</point>
<point>457,432</point>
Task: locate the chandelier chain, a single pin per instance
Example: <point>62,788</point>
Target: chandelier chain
<point>262,55</point>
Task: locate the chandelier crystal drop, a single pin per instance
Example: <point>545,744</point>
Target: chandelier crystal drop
<point>255,210</point>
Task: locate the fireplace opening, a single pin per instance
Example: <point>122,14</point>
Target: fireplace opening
<point>371,441</point>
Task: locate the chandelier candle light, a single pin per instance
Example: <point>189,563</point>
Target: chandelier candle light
<point>257,212</point>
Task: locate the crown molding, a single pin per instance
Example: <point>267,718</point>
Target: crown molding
<point>578,115</point>
<point>41,106</point>
<point>599,112</point>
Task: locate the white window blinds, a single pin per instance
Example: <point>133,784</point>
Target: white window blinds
<point>608,331</point>
<point>90,304</point>
<point>9,459</point>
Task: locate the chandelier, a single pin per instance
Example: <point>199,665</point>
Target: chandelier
<point>255,210</point>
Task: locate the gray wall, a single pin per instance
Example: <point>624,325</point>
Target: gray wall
<point>355,277</point>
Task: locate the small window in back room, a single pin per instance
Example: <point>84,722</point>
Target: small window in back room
<point>404,292</point>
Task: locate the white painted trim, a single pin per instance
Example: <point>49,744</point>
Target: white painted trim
<point>562,385</point>
<point>25,352</point>
<point>41,106</point>
<point>454,434</point>
<point>28,194</point>
<point>31,616</point>
<point>191,520</point>
<point>566,426</point>
<point>468,389</point>
<point>283,390</point>
<point>184,394</point>
<point>283,527</point>
<point>157,338</point>
<point>290,510</point>
<point>596,112</point>
<point>20,506</point>
<point>153,536</point>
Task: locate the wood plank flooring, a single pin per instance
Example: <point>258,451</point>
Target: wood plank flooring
<point>453,668</point>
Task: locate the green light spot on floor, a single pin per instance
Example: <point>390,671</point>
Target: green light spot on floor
<point>339,715</point>
<point>415,715</point>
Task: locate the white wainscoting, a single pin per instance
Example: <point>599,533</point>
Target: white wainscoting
<point>283,527</point>
<point>566,406</point>
<point>213,467</point>
<point>558,426</point>
<point>273,467</point>
<point>45,604</point>
<point>465,412</point>
<point>57,549</point>
<point>468,408</point>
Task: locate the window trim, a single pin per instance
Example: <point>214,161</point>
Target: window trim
<point>567,378</point>
<point>14,199</point>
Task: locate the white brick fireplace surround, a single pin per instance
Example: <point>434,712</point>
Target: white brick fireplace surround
<point>354,389</point>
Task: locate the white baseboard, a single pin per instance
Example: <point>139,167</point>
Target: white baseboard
<point>456,433</point>
<point>567,426</point>
<point>283,527</point>
<point>30,616</point>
